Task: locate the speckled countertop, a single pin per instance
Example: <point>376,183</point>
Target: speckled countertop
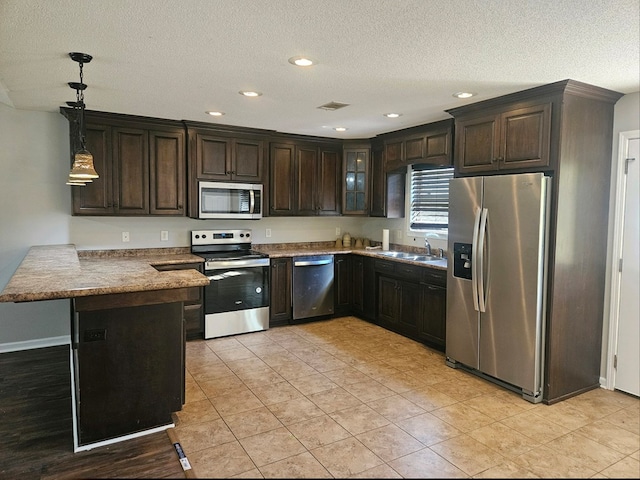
<point>329,248</point>
<point>60,271</point>
<point>51,272</point>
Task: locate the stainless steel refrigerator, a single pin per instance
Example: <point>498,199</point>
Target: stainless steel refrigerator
<point>496,280</point>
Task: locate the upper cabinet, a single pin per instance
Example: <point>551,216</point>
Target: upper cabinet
<point>226,158</point>
<point>431,144</point>
<point>514,138</point>
<point>226,154</point>
<point>387,188</point>
<point>304,178</point>
<point>141,163</point>
<point>355,178</point>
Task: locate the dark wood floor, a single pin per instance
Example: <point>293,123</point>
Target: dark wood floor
<point>36,438</point>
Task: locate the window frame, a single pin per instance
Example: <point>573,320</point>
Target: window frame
<point>424,227</point>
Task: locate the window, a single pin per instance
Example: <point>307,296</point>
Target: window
<point>429,197</point>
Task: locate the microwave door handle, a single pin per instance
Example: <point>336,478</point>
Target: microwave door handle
<point>252,201</point>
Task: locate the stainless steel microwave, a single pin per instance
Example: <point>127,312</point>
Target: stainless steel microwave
<point>229,200</point>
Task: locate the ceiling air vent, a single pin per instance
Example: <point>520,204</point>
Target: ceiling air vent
<point>333,106</point>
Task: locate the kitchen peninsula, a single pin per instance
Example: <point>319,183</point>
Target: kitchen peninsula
<point>127,333</point>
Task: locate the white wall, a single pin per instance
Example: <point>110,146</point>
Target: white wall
<point>626,118</point>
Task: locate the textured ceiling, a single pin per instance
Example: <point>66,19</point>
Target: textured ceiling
<point>177,59</point>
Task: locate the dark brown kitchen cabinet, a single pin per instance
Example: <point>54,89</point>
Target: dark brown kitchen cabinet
<point>399,295</point>
<point>141,163</point>
<point>387,188</point>
<point>304,179</point>
<point>517,138</point>
<point>426,144</point>
<point>218,153</point>
<point>433,313</point>
<point>280,308</point>
<point>221,158</point>
<point>343,284</point>
<point>363,294</point>
<point>564,129</point>
<point>355,179</point>
<point>193,309</point>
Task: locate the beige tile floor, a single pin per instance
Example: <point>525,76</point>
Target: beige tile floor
<point>346,398</point>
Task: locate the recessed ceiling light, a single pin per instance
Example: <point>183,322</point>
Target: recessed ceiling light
<point>463,94</point>
<point>248,93</point>
<point>392,115</point>
<point>215,114</point>
<point>301,61</point>
<point>341,129</point>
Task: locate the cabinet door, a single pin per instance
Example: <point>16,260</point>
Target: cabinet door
<point>414,149</point>
<point>280,310</point>
<point>167,173</point>
<point>247,160</point>
<point>213,157</point>
<point>525,136</point>
<point>282,175</point>
<point>433,319</point>
<point>328,186</point>
<point>477,147</point>
<point>355,198</point>
<point>306,168</point>
<point>438,148</point>
<point>343,284</point>
<point>96,198</point>
<point>131,171</point>
<point>409,311</point>
<point>387,302</point>
<point>393,154</point>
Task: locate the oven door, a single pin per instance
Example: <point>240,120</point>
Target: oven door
<point>237,297</point>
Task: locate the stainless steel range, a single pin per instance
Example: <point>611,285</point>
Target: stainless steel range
<point>237,297</point>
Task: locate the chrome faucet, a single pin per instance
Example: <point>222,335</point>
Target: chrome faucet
<point>427,245</point>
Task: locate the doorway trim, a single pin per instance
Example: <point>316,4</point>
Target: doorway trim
<point>618,212</point>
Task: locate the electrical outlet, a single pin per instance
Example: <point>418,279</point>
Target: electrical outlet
<point>268,232</point>
<point>125,236</point>
<point>337,231</point>
<point>164,236</point>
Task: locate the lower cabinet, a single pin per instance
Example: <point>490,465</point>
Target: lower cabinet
<point>193,311</point>
<point>280,307</point>
<point>343,284</point>
<point>411,301</point>
<point>363,291</point>
<point>432,326</point>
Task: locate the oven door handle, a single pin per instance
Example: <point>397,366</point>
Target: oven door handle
<point>225,264</point>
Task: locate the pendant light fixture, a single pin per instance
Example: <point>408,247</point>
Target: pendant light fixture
<point>82,171</point>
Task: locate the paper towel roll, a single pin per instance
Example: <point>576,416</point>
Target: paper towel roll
<point>385,239</point>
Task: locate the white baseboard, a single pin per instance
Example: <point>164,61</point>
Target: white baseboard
<point>37,343</point>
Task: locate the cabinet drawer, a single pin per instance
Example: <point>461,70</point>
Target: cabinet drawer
<point>408,272</point>
<point>433,276</point>
<point>384,266</point>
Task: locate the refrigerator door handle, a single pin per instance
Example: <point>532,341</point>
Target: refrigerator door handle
<point>474,259</point>
<point>482,235</point>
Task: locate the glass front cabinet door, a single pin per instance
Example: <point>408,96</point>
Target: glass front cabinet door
<point>356,181</point>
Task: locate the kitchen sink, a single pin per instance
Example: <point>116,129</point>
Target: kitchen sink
<point>411,256</point>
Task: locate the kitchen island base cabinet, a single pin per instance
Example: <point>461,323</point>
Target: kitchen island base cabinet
<point>128,369</point>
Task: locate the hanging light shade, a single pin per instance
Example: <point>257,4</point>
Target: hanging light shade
<point>83,166</point>
<point>82,170</point>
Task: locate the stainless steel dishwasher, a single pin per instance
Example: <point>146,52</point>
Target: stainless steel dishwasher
<point>312,286</point>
